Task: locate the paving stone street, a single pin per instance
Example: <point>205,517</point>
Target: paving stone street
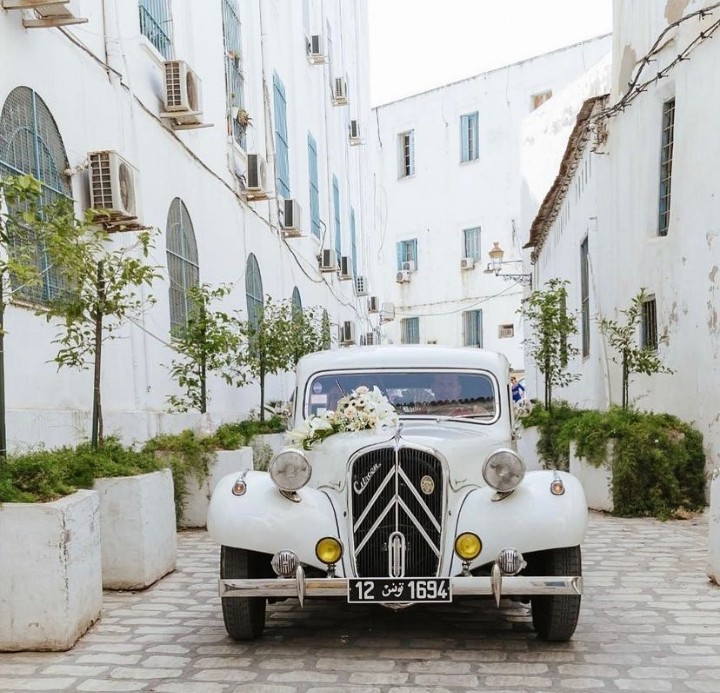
<point>650,622</point>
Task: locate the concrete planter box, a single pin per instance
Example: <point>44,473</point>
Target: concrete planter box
<point>137,523</point>
<point>198,494</point>
<point>527,442</point>
<point>714,537</point>
<point>274,441</point>
<point>596,481</point>
<point>50,572</point>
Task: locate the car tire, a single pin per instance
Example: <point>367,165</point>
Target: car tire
<point>555,618</point>
<point>244,616</point>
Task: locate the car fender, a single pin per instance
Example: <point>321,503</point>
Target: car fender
<point>264,520</point>
<point>529,519</point>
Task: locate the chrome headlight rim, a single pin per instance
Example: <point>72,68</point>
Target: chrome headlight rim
<point>520,474</point>
<point>282,482</point>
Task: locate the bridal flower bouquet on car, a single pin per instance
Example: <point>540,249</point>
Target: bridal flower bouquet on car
<point>361,410</point>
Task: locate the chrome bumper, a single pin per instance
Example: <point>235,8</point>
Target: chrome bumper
<point>496,585</point>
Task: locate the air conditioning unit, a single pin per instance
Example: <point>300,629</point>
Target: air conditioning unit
<point>113,183</point>
<point>256,176</point>
<point>49,13</point>
<point>314,49</point>
<point>467,263</point>
<point>347,333</point>
<point>340,92</point>
<point>402,277</point>
<point>183,94</point>
<point>292,217</point>
<point>373,304</point>
<point>354,132</point>
<point>327,261</point>
<point>345,268</point>
<point>387,312</point>
<point>361,286</point>
<point>409,266</point>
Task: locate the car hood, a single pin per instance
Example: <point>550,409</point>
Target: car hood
<point>464,447</point>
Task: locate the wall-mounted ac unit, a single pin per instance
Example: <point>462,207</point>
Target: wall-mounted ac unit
<point>113,185</point>
<point>354,132</point>
<point>49,13</point>
<point>402,277</point>
<point>347,333</point>
<point>328,261</point>
<point>373,304</point>
<point>467,263</point>
<point>409,266</point>
<point>340,91</point>
<point>291,219</point>
<point>315,49</point>
<point>183,94</point>
<point>370,338</point>
<point>361,286</point>
<point>256,177</point>
<point>345,268</point>
<point>387,312</point>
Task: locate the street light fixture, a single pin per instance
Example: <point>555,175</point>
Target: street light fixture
<point>496,263</point>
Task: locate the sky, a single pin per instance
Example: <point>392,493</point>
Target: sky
<point>416,45</point>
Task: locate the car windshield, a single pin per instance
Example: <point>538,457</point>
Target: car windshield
<point>412,393</point>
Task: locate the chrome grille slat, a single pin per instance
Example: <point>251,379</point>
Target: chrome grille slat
<point>389,479</point>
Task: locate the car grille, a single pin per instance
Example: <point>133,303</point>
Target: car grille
<point>396,502</point>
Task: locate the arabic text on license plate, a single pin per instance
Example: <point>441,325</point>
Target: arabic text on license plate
<point>400,590</point>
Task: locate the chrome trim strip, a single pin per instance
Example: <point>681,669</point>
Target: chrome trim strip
<point>423,503</point>
<point>519,585</point>
<point>423,533</point>
<point>371,502</point>
<point>396,555</point>
<point>372,529</point>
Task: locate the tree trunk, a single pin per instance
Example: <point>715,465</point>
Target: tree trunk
<point>97,419</point>
<point>203,363</point>
<point>262,393</point>
<point>624,381</point>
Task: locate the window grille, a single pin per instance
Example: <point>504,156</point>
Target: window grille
<point>234,76</point>
<point>649,334</point>
<point>406,151</point>
<point>30,143</point>
<point>472,328</point>
<point>155,24</point>
<point>469,137</point>
<point>282,161</point>
<point>183,267</point>
<point>253,289</point>
<point>666,157</point>
<point>410,331</point>
<point>506,331</point>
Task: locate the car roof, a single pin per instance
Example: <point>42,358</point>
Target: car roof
<point>402,356</point>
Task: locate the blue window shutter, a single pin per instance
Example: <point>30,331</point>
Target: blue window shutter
<point>282,163</point>
<point>314,187</point>
<point>399,248</point>
<point>464,139</point>
<point>415,252</point>
<point>353,242</point>
<point>336,209</point>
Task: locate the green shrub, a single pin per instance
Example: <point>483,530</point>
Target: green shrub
<point>658,462</point>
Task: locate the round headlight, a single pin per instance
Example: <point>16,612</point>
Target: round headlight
<point>290,470</point>
<point>503,470</point>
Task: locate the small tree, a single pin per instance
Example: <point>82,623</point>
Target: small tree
<point>277,338</point>
<point>103,278</point>
<point>211,343</point>
<point>630,355</point>
<point>551,327</point>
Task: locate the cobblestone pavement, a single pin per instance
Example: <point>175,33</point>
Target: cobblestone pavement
<point>650,622</point>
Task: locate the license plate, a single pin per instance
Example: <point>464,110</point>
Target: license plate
<point>400,590</point>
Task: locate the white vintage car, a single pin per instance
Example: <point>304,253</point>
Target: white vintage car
<point>429,505</point>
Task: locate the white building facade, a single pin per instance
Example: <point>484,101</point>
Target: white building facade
<point>447,187</point>
<point>221,191</point>
<point>635,206</point>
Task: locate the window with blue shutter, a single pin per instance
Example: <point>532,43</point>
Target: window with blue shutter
<point>472,328</point>
<point>469,137</point>
<point>471,243</point>
<point>353,242</point>
<point>407,252</point>
<point>314,187</point>
<point>253,289</point>
<point>410,331</point>
<point>182,263</point>
<point>155,24</point>
<point>282,162</point>
<point>336,211</point>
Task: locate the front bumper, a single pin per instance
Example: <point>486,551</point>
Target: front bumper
<point>496,585</point>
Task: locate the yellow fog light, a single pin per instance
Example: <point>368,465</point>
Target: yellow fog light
<point>328,550</point>
<point>468,546</point>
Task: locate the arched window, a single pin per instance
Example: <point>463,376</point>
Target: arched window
<point>296,300</point>
<point>182,261</point>
<point>30,143</point>
<point>253,289</point>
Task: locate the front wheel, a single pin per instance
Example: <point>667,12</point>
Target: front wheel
<point>555,618</point>
<point>244,616</point>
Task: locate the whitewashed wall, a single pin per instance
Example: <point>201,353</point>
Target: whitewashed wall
<point>446,196</point>
<point>106,93</point>
<point>626,252</point>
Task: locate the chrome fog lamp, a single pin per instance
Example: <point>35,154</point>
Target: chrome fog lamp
<point>510,561</point>
<point>284,563</point>
<point>503,470</point>
<point>290,470</point>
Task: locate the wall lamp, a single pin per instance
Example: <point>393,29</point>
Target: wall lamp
<point>496,264</point>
